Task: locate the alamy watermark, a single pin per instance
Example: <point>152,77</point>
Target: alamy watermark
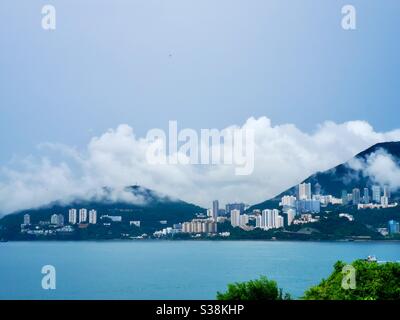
<point>49,279</point>
<point>349,277</point>
<point>48,17</point>
<point>349,19</point>
<point>231,146</point>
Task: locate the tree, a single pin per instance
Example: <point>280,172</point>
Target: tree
<point>374,281</point>
<point>260,289</point>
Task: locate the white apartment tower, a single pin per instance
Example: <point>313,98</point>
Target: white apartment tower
<point>271,219</point>
<point>92,216</point>
<point>290,216</point>
<point>235,218</point>
<point>72,216</point>
<point>82,215</point>
<point>304,191</point>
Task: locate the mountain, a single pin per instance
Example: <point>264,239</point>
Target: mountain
<point>148,207</point>
<point>341,177</point>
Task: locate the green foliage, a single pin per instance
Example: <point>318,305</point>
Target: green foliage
<point>374,281</point>
<point>260,289</point>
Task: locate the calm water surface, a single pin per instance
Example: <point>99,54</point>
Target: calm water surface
<point>170,269</point>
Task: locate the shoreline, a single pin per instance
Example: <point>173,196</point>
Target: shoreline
<point>205,240</point>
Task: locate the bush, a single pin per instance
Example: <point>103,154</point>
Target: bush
<point>261,289</point>
<point>374,281</point>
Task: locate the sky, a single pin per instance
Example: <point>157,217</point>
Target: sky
<point>206,64</point>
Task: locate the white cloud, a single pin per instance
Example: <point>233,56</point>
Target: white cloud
<point>380,167</point>
<point>284,155</point>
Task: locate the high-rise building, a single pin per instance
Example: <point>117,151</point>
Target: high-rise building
<point>60,220</point>
<point>264,218</point>
<point>393,227</point>
<point>366,196</point>
<point>82,215</point>
<point>258,220</point>
<point>271,219</point>
<point>235,218</point>
<point>344,198</point>
<point>199,226</point>
<point>303,206</point>
<point>187,227</point>
<point>57,219</point>
<point>54,219</point>
<point>290,216</point>
<point>304,191</point>
<point>72,216</point>
<point>215,210</point>
<point>376,194</point>
<point>356,196</point>
<point>92,216</point>
<point>27,219</point>
<point>243,220</point>
<point>288,201</point>
<point>279,222</point>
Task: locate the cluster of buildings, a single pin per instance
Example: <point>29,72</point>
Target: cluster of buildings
<point>200,226</point>
<point>82,216</point>
<point>57,224</point>
<point>301,208</point>
<point>205,225</point>
<point>375,198</point>
<point>304,201</point>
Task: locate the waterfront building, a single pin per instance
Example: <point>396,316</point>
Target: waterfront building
<point>271,219</point>
<point>258,221</point>
<point>235,218</point>
<point>72,216</point>
<point>92,216</point>
<point>82,215</point>
<point>199,226</point>
<point>291,213</point>
<point>243,220</point>
<point>57,219</point>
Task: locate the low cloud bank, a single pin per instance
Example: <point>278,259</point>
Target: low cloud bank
<point>284,156</point>
<point>380,167</point>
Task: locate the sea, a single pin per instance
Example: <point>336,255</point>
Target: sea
<point>160,269</point>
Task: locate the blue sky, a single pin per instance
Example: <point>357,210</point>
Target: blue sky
<point>204,63</point>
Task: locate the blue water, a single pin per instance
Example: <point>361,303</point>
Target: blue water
<point>170,269</point>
